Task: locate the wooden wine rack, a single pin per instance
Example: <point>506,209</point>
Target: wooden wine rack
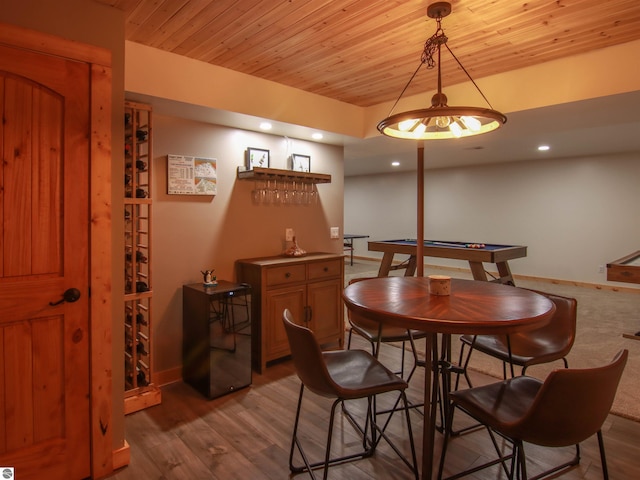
<point>140,391</point>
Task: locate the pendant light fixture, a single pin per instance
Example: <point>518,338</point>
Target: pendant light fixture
<point>440,121</point>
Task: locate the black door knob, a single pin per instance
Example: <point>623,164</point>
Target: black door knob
<point>70,295</point>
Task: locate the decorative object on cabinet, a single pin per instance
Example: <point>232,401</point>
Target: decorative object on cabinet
<point>310,287</point>
<point>209,279</point>
<point>294,250</point>
<point>257,157</point>
<point>191,175</point>
<point>140,391</point>
<point>216,337</point>
<point>300,163</point>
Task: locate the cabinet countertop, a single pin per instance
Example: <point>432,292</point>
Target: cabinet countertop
<point>281,259</point>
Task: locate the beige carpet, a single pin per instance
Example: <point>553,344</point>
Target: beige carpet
<point>603,316</point>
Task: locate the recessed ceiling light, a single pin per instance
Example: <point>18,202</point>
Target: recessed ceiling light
<point>317,136</point>
<point>543,148</point>
<point>265,126</point>
<point>395,164</point>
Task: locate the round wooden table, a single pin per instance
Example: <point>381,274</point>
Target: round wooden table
<point>473,307</point>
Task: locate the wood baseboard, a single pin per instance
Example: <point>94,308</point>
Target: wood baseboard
<point>121,456</point>
<point>596,286</point>
<point>166,377</point>
<point>149,397</point>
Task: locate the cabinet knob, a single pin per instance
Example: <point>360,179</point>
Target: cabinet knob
<point>287,275</point>
<point>326,269</point>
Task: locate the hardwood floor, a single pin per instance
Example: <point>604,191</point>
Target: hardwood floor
<point>246,435</point>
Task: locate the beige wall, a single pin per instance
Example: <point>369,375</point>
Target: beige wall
<point>574,215</point>
<point>194,233</point>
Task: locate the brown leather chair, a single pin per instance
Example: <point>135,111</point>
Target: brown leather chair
<point>377,334</point>
<point>546,344</point>
<point>342,375</point>
<point>567,408</point>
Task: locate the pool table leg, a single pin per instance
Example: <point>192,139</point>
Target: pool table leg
<point>505,273</point>
<point>477,270</point>
<point>410,271</point>
<point>385,265</point>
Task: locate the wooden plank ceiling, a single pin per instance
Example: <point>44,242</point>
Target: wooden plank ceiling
<point>363,52</point>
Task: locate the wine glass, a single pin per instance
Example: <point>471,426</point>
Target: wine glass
<point>256,194</point>
<point>276,196</point>
<point>313,195</point>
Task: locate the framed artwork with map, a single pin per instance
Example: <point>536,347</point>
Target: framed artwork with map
<point>191,175</point>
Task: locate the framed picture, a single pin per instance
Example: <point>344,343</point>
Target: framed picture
<point>257,157</point>
<point>191,175</point>
<point>300,163</point>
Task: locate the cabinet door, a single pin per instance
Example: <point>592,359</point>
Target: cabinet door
<point>275,340</point>
<point>324,300</point>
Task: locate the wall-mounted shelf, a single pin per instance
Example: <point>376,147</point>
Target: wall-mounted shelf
<point>259,173</point>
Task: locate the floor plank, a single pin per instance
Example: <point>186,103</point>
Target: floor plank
<point>246,434</point>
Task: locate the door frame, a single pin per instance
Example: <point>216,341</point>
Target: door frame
<point>100,210</point>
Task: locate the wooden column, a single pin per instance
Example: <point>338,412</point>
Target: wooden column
<point>420,222</point>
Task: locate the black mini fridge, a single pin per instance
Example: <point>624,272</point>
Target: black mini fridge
<point>216,342</point>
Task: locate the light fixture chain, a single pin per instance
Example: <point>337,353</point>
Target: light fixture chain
<point>432,45</point>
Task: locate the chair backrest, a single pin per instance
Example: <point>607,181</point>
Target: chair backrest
<point>307,358</point>
<point>559,334</point>
<point>358,321</point>
<point>572,404</point>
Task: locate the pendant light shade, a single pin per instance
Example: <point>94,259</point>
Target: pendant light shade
<point>440,121</point>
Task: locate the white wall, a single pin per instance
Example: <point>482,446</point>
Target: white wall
<point>574,215</point>
<point>194,233</point>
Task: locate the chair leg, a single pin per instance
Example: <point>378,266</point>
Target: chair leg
<point>327,455</point>
<point>413,464</point>
<point>510,358</point>
<point>416,363</point>
<point>565,466</point>
<point>448,433</point>
<point>462,369</point>
<point>603,457</point>
<point>370,442</point>
<point>296,443</point>
<point>465,364</point>
<point>445,442</point>
<point>521,461</point>
<point>308,466</point>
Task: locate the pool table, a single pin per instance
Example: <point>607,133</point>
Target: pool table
<point>476,254</point>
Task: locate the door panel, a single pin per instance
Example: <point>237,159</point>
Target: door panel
<point>44,225</point>
<point>326,321</point>
<point>293,298</point>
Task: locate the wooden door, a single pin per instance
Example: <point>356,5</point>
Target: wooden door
<point>44,249</point>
